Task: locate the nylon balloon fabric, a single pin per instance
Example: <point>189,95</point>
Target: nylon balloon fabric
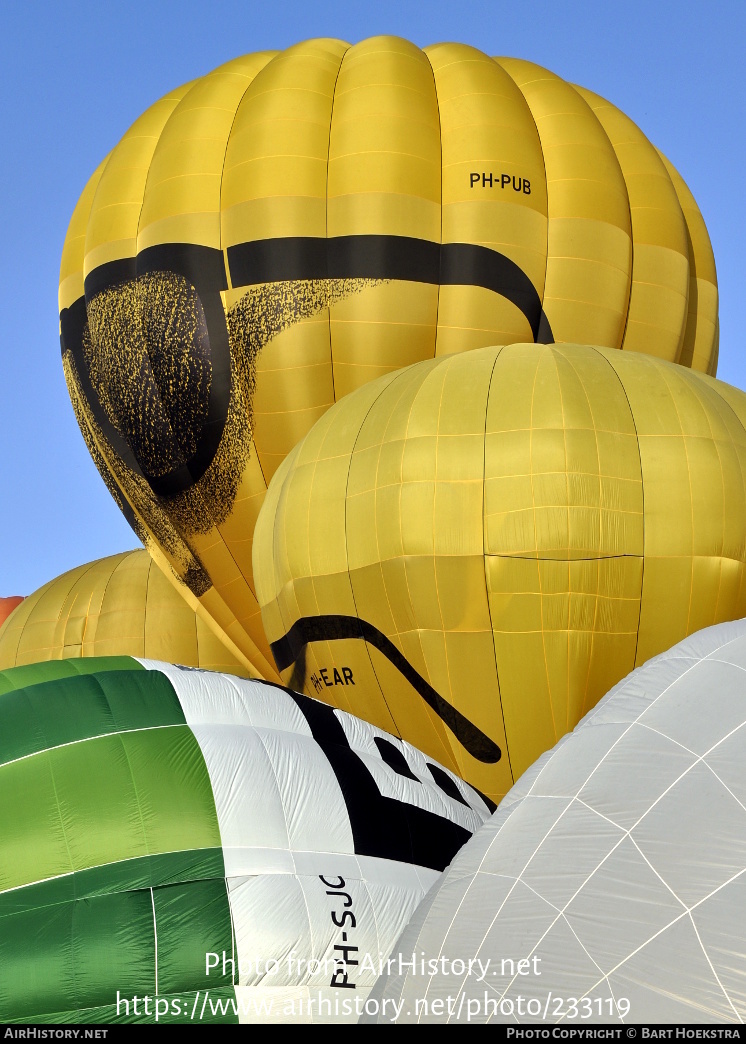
<point>486,543</point>
<point>276,234</point>
<point>7,605</point>
<point>225,848</point>
<point>123,605</point>
<point>610,885</point>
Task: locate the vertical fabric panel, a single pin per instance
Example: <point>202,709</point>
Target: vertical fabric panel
<point>112,224</point>
<point>419,460</point>
<point>320,548</point>
<point>274,179</point>
<point>699,349</point>
<point>181,203</point>
<point>488,134</point>
<point>656,318</point>
<point>73,250</point>
<point>274,189</point>
<point>693,456</point>
<point>384,180</point>
<point>563,538</point>
<point>589,251</point>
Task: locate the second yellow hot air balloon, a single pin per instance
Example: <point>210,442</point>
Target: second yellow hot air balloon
<point>472,551</point>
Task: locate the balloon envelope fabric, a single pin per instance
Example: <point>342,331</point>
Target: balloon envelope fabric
<point>275,234</point>
<point>488,542</point>
<point>120,605</point>
<point>7,605</point>
<point>207,841</point>
<point>618,861</point>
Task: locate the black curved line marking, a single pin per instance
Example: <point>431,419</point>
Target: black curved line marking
<point>204,268</point>
<point>108,275</point>
<point>278,260</point>
<point>388,257</point>
<point>332,628</point>
<point>381,826</point>
<point>544,334</point>
<point>72,324</point>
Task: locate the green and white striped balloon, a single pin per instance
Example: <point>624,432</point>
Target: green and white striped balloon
<point>221,849</point>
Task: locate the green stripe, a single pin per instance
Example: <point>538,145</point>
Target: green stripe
<point>104,800</point>
<point>107,820</point>
<point>130,875</point>
<point>192,920</point>
<point>73,958</point>
<point>64,710</point>
<point>95,941</point>
<point>50,670</point>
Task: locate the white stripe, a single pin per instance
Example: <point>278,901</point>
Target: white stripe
<point>209,698</point>
<point>284,921</point>
<point>273,790</point>
<point>155,937</point>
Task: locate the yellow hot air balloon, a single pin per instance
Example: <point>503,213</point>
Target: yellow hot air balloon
<point>472,551</point>
<point>279,232</point>
<point>123,605</point>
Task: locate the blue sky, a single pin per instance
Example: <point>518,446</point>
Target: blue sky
<point>76,75</point>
